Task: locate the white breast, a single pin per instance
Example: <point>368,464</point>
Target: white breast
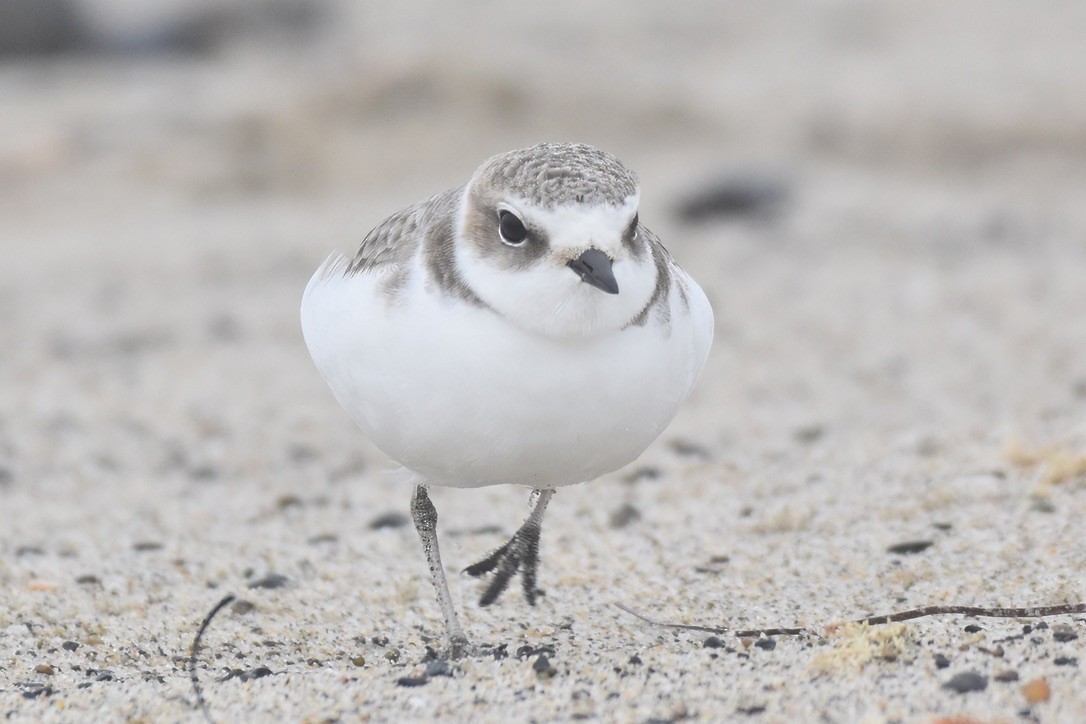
<point>457,394</point>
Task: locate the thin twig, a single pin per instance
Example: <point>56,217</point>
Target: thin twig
<point>979,611</point>
<point>196,688</point>
<point>714,629</point>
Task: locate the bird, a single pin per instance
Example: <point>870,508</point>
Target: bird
<point>523,328</point>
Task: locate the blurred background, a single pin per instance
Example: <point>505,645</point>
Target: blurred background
<point>885,201</point>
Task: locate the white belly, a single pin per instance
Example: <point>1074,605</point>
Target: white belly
<point>460,396</point>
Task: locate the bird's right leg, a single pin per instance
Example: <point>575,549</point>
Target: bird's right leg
<point>425,516</point>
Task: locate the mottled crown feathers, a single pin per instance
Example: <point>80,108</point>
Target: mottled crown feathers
<point>557,174</point>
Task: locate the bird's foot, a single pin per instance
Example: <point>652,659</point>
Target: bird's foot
<point>520,553</point>
<point>456,647</point>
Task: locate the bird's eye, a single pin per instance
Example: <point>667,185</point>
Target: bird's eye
<point>511,228</point>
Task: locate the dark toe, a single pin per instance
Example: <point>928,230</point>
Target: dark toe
<point>489,563</point>
<point>520,553</point>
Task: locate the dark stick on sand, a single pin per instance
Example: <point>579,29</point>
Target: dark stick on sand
<point>979,611</point>
<point>196,688</point>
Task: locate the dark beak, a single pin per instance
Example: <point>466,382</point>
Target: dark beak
<point>594,267</point>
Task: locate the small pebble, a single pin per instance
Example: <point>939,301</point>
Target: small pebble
<point>543,668</point>
<point>751,710</point>
<point>300,452</point>
<point>412,681</point>
<point>967,681</point>
<point>1065,661</point>
<point>94,640</point>
<point>243,607</point>
<point>688,449</point>
<point>941,661</point>
<point>1008,675</point>
<point>272,580</point>
<point>69,646</point>
<point>713,642</point>
<point>1042,505</point>
<point>438,667</point>
<point>44,669</point>
<point>767,644</point>
<point>973,628</point>
<point>645,473</point>
<point>624,515</point>
<point>1062,632</point>
<point>809,434</point>
<point>146,546</point>
<point>359,660</point>
<point>289,501</point>
<point>204,472</point>
<point>714,566</point>
<point>734,194</point>
<point>525,651</point>
<point>33,691</point>
<point>388,520</point>
<point>1036,690</point>
<point>88,580</point>
<point>927,446</point>
<point>392,655</point>
<point>258,673</point>
<point>224,329</point>
<point>635,660</point>
<point>911,547</point>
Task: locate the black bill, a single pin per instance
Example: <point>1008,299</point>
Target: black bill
<point>594,267</point>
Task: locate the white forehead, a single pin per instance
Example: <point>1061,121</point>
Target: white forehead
<point>576,227</point>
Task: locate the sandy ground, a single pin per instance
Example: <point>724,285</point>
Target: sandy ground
<point>900,357</point>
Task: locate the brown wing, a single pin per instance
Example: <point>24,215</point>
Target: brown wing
<point>397,239</point>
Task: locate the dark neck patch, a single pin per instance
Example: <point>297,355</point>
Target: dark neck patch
<point>439,256</point>
<point>659,304</point>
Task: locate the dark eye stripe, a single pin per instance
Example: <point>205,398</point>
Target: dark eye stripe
<point>511,228</point>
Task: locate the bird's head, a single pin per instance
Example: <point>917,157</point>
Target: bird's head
<point>549,237</point>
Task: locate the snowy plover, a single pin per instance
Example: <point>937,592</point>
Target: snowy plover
<point>523,328</point>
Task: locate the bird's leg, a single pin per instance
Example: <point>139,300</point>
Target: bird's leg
<point>521,552</point>
<point>425,515</point>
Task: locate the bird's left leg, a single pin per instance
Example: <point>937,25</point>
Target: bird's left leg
<point>520,553</point>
